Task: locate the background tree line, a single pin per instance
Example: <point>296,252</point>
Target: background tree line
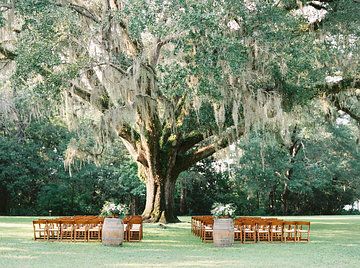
<point>316,172</point>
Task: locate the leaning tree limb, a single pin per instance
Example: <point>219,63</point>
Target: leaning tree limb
<point>81,10</point>
<point>212,145</point>
<point>345,109</point>
<point>8,54</point>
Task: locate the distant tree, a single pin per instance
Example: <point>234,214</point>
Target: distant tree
<point>201,186</point>
<point>33,179</point>
<point>316,172</point>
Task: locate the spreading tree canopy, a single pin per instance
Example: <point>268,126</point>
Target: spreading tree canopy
<point>177,81</point>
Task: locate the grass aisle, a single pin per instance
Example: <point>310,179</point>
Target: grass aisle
<point>335,243</point>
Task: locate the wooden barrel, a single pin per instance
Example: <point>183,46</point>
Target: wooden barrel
<point>223,232</point>
<point>112,232</point>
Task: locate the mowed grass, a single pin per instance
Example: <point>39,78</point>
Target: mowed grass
<point>335,242</point>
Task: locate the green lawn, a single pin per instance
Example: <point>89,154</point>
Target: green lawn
<point>335,241</point>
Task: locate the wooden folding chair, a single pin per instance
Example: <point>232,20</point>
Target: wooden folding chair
<point>53,229</point>
<point>276,230</point>
<point>81,229</point>
<point>207,230</point>
<point>302,228</point>
<point>135,228</point>
<point>198,226</point>
<point>289,231</point>
<point>40,227</point>
<point>263,230</point>
<point>67,229</point>
<point>249,230</point>
<point>94,229</point>
<point>238,230</point>
<point>126,221</point>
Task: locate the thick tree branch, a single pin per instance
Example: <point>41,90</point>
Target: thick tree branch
<point>80,10</point>
<point>172,37</point>
<point>135,46</point>
<point>130,139</point>
<point>86,97</point>
<point>346,110</point>
<point>111,64</point>
<point>127,133</point>
<point>7,53</point>
<point>217,143</point>
<point>5,7</point>
<point>81,93</point>
<point>334,88</point>
<point>165,41</point>
<point>117,67</point>
<point>181,110</point>
<point>190,141</point>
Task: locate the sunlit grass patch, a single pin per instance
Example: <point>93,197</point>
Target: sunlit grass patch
<point>335,242</point>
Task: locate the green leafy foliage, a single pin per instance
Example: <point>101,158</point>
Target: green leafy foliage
<point>33,179</point>
<point>271,50</point>
<point>317,172</point>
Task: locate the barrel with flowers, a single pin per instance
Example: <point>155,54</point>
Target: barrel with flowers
<point>113,228</point>
<point>223,229</point>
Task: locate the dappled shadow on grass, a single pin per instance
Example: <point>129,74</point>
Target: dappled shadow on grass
<point>7,249</point>
<point>183,263</point>
<point>19,257</point>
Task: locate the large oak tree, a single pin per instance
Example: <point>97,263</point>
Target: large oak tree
<point>177,81</point>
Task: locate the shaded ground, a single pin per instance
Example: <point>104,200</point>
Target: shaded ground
<point>335,242</point>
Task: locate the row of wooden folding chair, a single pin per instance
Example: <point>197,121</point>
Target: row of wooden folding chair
<point>197,222</point>
<point>255,229</point>
<point>271,230</point>
<point>85,228</point>
<point>297,231</point>
<point>81,228</point>
<point>202,226</point>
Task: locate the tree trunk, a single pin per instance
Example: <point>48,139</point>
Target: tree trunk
<point>160,200</point>
<point>3,200</point>
<point>284,200</point>
<point>293,150</point>
<point>257,200</point>
<point>133,205</point>
<point>272,201</point>
<point>183,200</point>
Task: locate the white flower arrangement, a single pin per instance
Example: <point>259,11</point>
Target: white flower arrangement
<point>223,210</point>
<point>110,209</point>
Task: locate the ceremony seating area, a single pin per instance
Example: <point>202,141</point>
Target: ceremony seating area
<point>83,228</point>
<point>255,229</point>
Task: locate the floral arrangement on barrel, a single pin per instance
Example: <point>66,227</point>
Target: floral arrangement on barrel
<point>220,210</point>
<point>112,210</point>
